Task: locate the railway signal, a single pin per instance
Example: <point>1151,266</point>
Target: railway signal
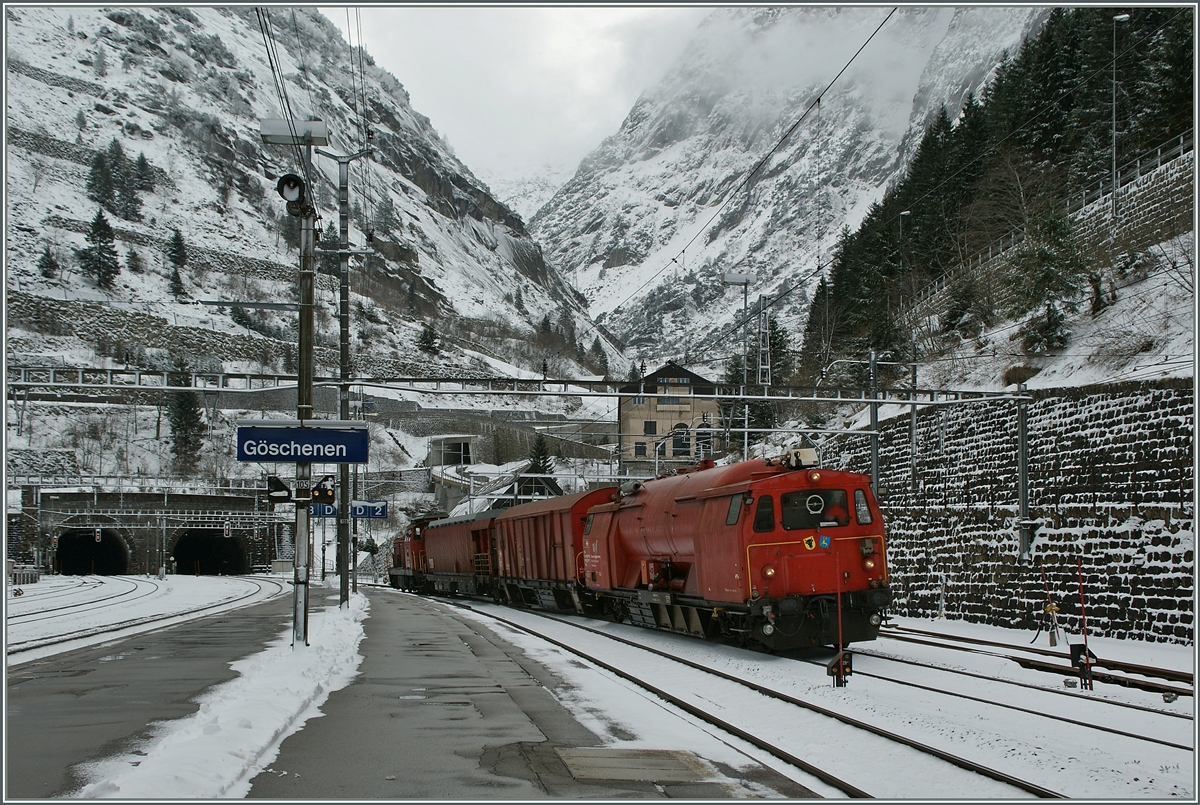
<point>97,534</point>
<point>840,667</point>
<point>227,529</point>
<point>323,491</point>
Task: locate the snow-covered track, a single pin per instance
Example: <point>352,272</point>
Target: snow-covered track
<point>257,587</point>
<point>31,612</point>
<point>870,741</point>
<point>1128,675</point>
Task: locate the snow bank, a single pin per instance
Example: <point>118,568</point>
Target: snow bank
<point>241,723</point>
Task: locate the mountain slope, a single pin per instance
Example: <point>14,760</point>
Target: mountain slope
<point>658,211</point>
<point>186,88</point>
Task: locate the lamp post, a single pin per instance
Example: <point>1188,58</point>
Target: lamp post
<point>744,280</point>
<point>292,189</point>
<point>1116,19</point>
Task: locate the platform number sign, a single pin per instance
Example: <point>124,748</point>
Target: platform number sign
<point>97,534</point>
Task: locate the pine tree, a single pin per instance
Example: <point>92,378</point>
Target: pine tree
<point>329,263</point>
<point>427,342</point>
<point>80,120</point>
<point>47,265</point>
<point>518,302</point>
<point>100,182</point>
<point>99,260</point>
<point>143,173</point>
<point>187,427</point>
<point>598,356</point>
<point>177,249</point>
<point>100,63</point>
<point>178,289</point>
<point>133,263</point>
<point>385,216</point>
<point>539,456</point>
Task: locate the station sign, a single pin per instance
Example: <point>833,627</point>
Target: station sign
<point>322,510</point>
<point>360,509</point>
<point>313,441</point>
<point>369,509</point>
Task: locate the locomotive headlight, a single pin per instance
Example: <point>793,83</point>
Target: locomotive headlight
<point>768,572</point>
<point>869,563</point>
<point>875,619</point>
<point>814,476</point>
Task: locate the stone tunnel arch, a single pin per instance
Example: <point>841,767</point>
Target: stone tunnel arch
<point>208,552</point>
<point>80,553</point>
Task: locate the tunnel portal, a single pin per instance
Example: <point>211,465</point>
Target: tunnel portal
<point>88,551</point>
<point>208,552</point>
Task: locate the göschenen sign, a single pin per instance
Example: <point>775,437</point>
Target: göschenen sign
<point>319,442</point>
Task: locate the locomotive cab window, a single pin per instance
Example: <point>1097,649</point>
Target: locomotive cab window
<point>587,528</point>
<point>735,510</point>
<point>862,512</point>
<point>814,508</point>
<point>764,515</point>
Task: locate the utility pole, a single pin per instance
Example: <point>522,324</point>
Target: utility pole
<point>874,425</point>
<point>344,251</point>
<point>744,280</point>
<point>292,188</point>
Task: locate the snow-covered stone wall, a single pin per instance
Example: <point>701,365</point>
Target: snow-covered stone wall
<point>1111,477</point>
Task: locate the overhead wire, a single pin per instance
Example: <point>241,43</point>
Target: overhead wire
<point>285,105</point>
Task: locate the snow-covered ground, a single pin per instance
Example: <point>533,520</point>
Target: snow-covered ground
<point>241,723</point>
<point>87,607</point>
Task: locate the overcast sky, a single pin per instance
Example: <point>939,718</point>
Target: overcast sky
<point>513,89</point>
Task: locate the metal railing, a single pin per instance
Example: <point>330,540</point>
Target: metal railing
<point>1126,174</point>
<point>139,484</point>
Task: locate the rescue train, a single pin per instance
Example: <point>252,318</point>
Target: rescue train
<point>779,553</point>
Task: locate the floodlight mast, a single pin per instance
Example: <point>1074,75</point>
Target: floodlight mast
<point>291,189</point>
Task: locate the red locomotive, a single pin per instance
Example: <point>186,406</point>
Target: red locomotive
<point>769,552</point>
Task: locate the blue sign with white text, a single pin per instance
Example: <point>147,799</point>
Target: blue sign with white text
<point>322,510</point>
<point>303,445</point>
<point>369,509</point>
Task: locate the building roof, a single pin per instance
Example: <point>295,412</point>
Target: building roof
<point>671,374</point>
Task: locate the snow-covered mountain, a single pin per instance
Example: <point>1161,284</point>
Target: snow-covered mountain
<point>655,214</point>
<point>186,88</point>
<point>527,194</point>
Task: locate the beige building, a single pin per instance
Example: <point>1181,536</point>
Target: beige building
<point>672,430</point>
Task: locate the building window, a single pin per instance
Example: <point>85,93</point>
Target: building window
<point>639,449</point>
<point>669,401</point>
<point>639,400</point>
<point>682,443</point>
<point>650,427</point>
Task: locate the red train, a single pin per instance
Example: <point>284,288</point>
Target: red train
<point>776,552</point>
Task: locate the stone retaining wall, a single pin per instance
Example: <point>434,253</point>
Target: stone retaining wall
<point>1111,476</point>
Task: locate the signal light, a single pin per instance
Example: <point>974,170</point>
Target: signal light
<point>869,563</point>
<point>323,491</point>
<point>97,535</point>
<point>768,572</point>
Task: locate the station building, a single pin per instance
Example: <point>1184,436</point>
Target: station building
<point>670,431</point>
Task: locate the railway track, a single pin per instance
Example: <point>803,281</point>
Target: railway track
<point>14,649</point>
<point>888,741</point>
<point>1029,657</point>
<point>143,588</point>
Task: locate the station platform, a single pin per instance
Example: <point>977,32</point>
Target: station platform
<point>442,708</point>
